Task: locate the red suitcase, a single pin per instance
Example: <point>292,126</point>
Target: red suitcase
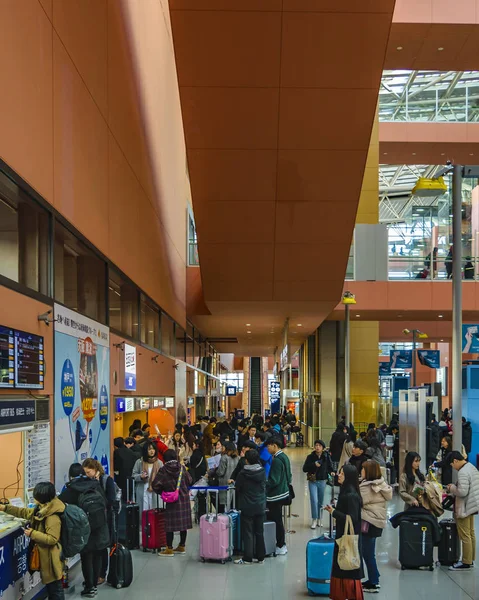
<point>153,534</point>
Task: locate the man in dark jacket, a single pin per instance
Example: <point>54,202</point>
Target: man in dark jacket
<point>336,444</point>
<point>251,490</point>
<point>91,556</point>
<point>359,457</point>
<point>247,445</point>
<point>466,434</point>
<point>278,490</point>
<point>124,460</point>
<point>318,467</point>
<point>140,441</point>
<point>433,434</point>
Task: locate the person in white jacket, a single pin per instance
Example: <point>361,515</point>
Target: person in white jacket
<point>375,493</point>
<point>466,506</point>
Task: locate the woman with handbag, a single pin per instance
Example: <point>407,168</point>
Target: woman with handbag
<point>317,467</point>
<point>375,493</point>
<point>44,533</point>
<point>347,570</point>
<point>172,483</point>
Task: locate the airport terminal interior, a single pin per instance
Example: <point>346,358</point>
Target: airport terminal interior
<point>254,211</point>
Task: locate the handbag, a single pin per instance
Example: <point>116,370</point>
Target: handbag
<point>289,500</point>
<point>34,558</point>
<point>171,497</point>
<point>311,477</point>
<point>364,526</point>
<point>349,558</point>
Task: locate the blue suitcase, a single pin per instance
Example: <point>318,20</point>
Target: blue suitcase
<point>236,525</point>
<point>319,560</point>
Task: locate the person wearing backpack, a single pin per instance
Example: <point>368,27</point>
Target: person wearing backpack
<point>44,531</point>
<point>89,496</point>
<point>95,471</point>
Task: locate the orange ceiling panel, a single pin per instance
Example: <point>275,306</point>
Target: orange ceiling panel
<point>278,101</point>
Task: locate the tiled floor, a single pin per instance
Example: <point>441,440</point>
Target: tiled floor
<point>283,577</point>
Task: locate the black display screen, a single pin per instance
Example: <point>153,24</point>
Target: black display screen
<point>29,360</point>
<point>7,364</point>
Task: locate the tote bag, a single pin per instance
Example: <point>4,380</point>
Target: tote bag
<point>348,548</point>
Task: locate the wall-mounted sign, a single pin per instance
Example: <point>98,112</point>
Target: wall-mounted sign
<point>274,396</point>
<point>191,401</point>
<point>161,403</point>
<point>169,402</point>
<point>231,390</point>
<point>129,404</point>
<point>145,403</point>
<point>120,405</point>
<point>284,358</point>
<point>400,359</point>
<point>130,368</point>
<point>291,394</point>
<point>430,358</point>
<point>16,413</point>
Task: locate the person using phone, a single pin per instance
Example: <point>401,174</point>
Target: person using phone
<point>44,530</point>
<point>144,473</point>
<point>317,467</point>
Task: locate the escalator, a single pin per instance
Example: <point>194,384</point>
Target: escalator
<point>255,388</point>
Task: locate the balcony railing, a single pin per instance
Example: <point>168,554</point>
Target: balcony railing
<point>405,268</point>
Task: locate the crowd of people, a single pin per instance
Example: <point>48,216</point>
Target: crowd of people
<point>252,457</point>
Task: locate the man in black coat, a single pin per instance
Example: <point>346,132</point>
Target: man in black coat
<point>466,434</point>
<point>336,444</point>
<point>124,460</point>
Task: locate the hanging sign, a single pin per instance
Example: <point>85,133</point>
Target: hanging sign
<point>384,369</point>
<point>470,338</point>
<point>429,358</point>
<point>130,368</point>
<point>400,359</point>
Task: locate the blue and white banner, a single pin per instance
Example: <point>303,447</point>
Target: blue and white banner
<point>429,358</point>
<point>384,369</point>
<point>400,359</point>
<point>82,384</point>
<point>470,338</point>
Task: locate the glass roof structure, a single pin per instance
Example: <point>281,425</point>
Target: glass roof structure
<point>444,96</point>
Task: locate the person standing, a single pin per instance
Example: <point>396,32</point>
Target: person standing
<point>358,457</point>
<point>337,442</point>
<point>92,554</point>
<point>144,473</point>
<point>228,462</point>
<point>124,460</point>
<point>443,460</point>
<point>466,435</point>
<point>346,585</point>
<point>375,494</point>
<point>466,506</point>
<point>251,490</point>
<point>177,514</point>
<point>277,490</point>
<point>411,482</point>
<point>317,467</point>
<point>43,529</point>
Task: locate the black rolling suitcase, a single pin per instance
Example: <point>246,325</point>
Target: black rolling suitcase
<point>132,516</point>
<point>415,544</point>
<point>449,548</point>
<point>120,572</point>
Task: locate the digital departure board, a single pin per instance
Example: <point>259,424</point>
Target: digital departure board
<point>29,360</point>
<point>7,358</point>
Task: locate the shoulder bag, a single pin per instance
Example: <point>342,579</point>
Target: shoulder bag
<point>171,497</point>
<point>349,558</point>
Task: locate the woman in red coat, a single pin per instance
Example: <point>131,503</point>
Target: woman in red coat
<point>178,514</point>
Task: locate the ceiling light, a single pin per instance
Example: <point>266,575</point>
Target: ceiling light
<point>248,332</point>
<point>248,324</point>
<point>414,154</point>
<point>443,154</point>
<point>399,316</point>
<point>399,48</point>
<point>300,324</point>
<point>440,316</point>
<point>440,49</point>
<point>358,315</point>
<point>471,154</point>
<point>385,153</point>
<point>442,340</point>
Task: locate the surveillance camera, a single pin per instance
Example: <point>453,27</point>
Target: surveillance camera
<point>406,331</point>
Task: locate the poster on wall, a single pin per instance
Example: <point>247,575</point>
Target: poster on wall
<point>130,368</point>
<point>82,388</point>
<point>470,338</point>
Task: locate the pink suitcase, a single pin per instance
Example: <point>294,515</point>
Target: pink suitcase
<point>216,537</point>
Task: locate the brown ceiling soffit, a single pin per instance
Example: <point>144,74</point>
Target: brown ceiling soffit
<point>231,340</point>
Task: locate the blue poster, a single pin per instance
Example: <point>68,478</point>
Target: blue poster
<point>470,338</point>
<point>400,359</point>
<point>429,358</point>
<point>82,383</point>
<point>384,369</point>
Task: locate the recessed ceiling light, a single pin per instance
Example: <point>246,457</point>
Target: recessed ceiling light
<point>248,324</point>
<point>442,340</point>
<point>399,315</point>
<point>440,49</point>
<point>300,324</point>
<point>443,154</point>
<point>471,154</point>
<point>358,315</point>
<point>385,153</point>
<point>399,48</point>
<point>248,332</point>
<point>440,316</point>
<point>414,154</point>
<point>295,332</point>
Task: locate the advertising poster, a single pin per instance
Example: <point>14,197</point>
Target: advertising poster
<point>470,339</point>
<point>130,368</point>
<point>430,358</point>
<point>400,359</point>
<point>82,389</point>
<point>384,369</point>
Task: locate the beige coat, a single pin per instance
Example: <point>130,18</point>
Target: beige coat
<point>46,525</point>
<point>375,495</point>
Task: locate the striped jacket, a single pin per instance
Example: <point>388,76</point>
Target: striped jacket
<point>277,486</point>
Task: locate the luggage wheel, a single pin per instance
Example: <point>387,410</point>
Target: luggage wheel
<point>431,568</point>
<point>118,586</point>
<point>202,559</point>
<point>222,562</point>
<point>403,568</point>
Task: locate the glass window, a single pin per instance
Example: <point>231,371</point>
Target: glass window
<point>79,276</point>
<point>24,238</point>
<point>167,335</point>
<point>122,305</point>
<point>180,343</point>
<point>150,323</point>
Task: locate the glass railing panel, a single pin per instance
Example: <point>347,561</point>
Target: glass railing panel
<point>407,268</point>
<point>193,258</point>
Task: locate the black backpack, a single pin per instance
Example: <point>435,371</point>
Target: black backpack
<point>75,530</point>
<point>93,503</point>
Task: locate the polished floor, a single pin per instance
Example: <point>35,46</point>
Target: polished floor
<point>283,577</point>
